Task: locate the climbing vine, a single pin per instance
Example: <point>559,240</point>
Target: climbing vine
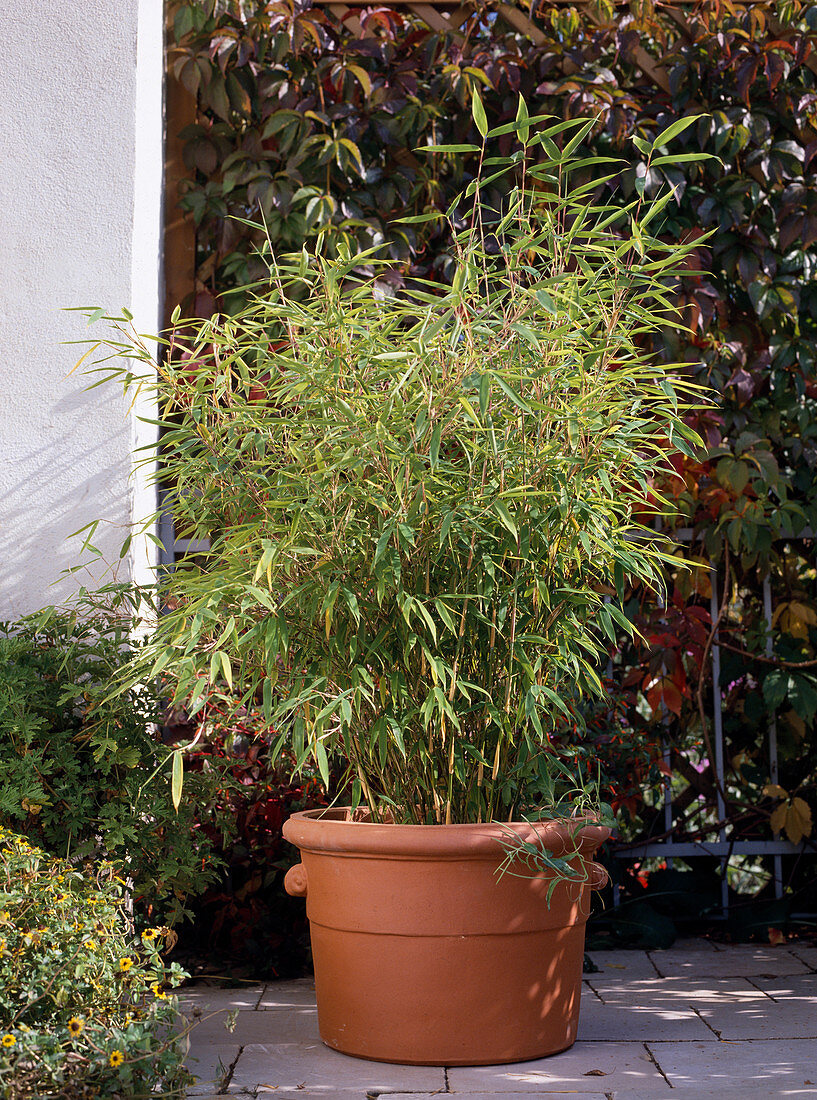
<point>316,126</point>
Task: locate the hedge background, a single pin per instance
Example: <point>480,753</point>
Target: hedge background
<point>315,123</point>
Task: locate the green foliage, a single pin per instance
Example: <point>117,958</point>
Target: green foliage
<point>84,1009</point>
<point>395,86</point>
<point>77,768</point>
<point>319,127</point>
<point>419,501</point>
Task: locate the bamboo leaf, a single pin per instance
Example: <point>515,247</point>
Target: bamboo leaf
<point>478,112</point>
<point>522,121</point>
<point>505,518</point>
<point>511,393</point>
<point>322,761</point>
<point>679,126</point>
<point>176,780</point>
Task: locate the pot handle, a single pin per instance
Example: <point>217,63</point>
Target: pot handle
<point>295,881</point>
<point>597,877</point>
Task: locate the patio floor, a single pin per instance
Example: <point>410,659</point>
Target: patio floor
<point>699,1018</point>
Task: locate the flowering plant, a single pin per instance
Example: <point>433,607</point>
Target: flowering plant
<point>85,1008</point>
<point>75,767</point>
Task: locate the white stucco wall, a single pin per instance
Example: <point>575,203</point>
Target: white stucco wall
<point>80,218</point>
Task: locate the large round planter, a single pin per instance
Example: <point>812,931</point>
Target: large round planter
<point>424,955</point>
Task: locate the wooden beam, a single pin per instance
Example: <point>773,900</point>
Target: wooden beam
<point>385,3</point>
<point>341,13</point>
<point>433,17</point>
<point>520,21</point>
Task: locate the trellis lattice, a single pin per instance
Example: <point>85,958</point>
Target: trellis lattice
<point>452,17</point>
<point>719,843</point>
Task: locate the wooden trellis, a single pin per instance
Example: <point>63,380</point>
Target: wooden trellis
<point>443,16</point>
<point>450,17</point>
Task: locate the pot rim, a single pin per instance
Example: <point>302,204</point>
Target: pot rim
<point>332,831</point>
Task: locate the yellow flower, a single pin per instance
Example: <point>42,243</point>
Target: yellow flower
<point>75,1025</point>
<point>149,934</point>
<point>116,1058</point>
<point>125,964</point>
<point>2,946</point>
<point>158,991</point>
<point>5,916</point>
<point>8,1041</point>
<point>90,944</point>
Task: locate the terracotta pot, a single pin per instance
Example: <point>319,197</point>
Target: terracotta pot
<point>424,956</point>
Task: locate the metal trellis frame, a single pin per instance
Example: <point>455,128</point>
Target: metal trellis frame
<point>723,848</point>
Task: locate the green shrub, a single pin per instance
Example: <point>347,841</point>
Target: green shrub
<point>385,84</point>
<point>76,769</point>
<point>84,1010</point>
<point>417,502</point>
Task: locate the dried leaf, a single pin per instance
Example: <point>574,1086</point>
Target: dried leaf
<point>797,724</point>
<point>772,790</point>
<point>778,818</point>
<point>798,820</point>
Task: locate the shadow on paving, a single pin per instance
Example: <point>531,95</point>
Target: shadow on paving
<point>695,1018</point>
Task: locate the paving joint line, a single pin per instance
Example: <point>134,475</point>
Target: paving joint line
<point>224,1083</point>
<point>696,1039</point>
<point>593,989</point>
<point>375,1095</point>
<point>654,965</point>
<point>754,985</point>
<point>657,1065</point>
<point>703,1020</point>
<point>261,996</point>
<point>811,969</point>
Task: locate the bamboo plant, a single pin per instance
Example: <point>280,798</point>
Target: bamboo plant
<point>422,507</point>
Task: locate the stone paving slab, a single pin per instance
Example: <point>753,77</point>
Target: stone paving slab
<point>296,1024</point>
<point>797,987</point>
<point>760,1062</point>
<point>741,960</point>
<point>210,997</point>
<point>209,1063</point>
<point>751,1091</point>
<point>754,1020</point>
<point>302,1067</point>
<point>733,1008</point>
<point>808,955</point>
<point>633,1026</point>
<point>283,994</point>
<point>680,991</point>
<point>269,1092</point>
<point>696,948</point>
<point>639,1019</point>
<point>581,1069</point>
<point>505,1095</point>
<point>621,966</point>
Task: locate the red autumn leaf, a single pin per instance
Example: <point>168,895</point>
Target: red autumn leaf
<point>663,692</point>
